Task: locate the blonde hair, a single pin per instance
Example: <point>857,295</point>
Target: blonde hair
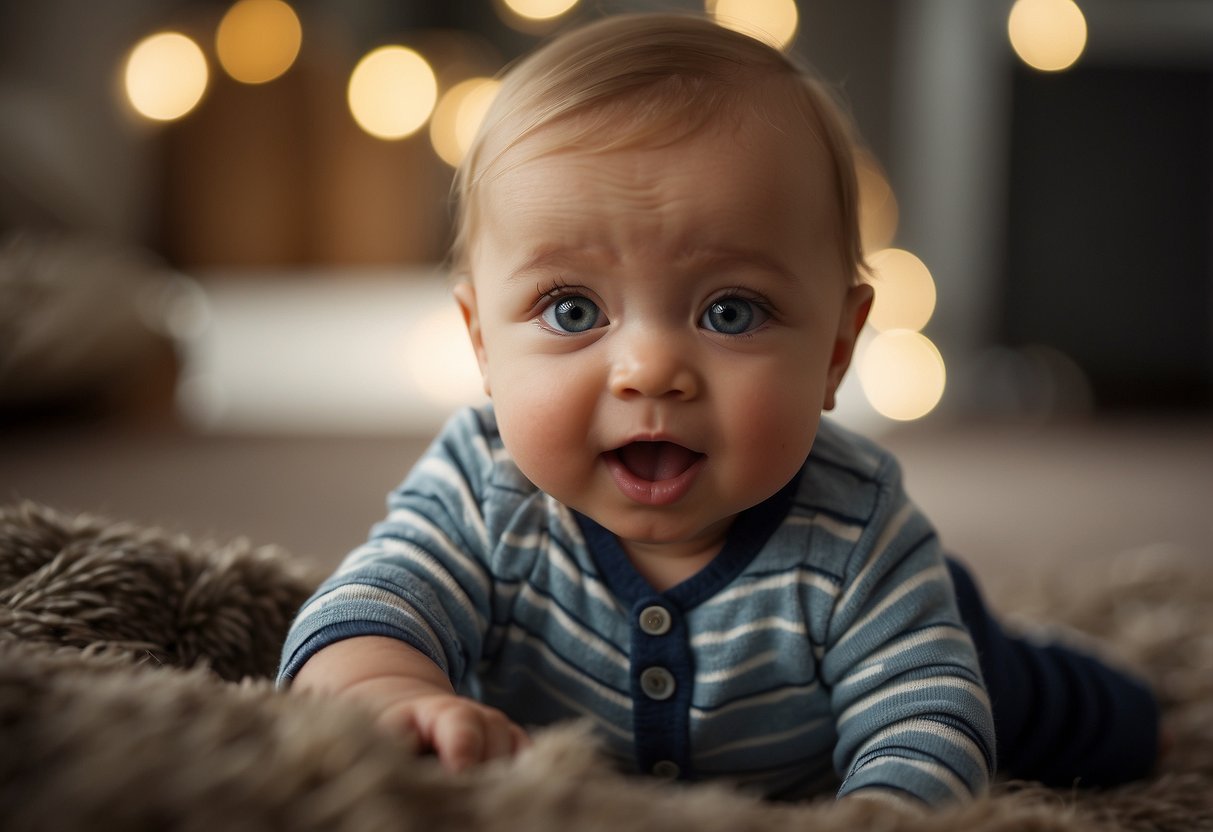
<point>651,80</point>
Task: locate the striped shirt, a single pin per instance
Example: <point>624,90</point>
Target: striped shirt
<point>822,642</point>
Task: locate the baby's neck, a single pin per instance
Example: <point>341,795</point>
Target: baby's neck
<point>664,568</point>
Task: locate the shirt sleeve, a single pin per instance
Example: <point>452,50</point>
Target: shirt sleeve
<point>421,575</point>
<point>912,714</point>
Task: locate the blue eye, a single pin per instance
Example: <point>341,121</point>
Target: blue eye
<point>572,313</point>
<point>732,316</point>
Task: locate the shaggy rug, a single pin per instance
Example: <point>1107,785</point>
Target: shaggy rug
<point>134,695</point>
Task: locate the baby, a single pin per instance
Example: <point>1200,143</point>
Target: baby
<point>651,527</point>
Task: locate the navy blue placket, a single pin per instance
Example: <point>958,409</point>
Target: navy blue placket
<point>662,670</point>
<point>661,718</point>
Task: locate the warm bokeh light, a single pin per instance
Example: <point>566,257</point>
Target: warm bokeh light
<point>773,21</point>
<point>539,9</point>
<point>458,116</point>
<point>1048,35</point>
<point>258,40</point>
<point>902,375</point>
<point>905,291</point>
<point>166,75</point>
<point>392,92</point>
<point>438,358</point>
<point>878,212</point>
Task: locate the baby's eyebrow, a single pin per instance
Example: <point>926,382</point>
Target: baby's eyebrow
<point>691,259</point>
<point>548,258</point>
<point>718,257</point>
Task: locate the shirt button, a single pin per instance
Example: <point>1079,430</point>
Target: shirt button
<point>657,683</point>
<point>667,769</point>
<point>655,620</point>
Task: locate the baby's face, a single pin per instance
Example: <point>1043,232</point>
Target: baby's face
<point>660,328</point>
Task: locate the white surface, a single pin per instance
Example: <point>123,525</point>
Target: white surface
<point>355,353</point>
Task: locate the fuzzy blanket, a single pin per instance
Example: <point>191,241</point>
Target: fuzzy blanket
<point>134,695</point>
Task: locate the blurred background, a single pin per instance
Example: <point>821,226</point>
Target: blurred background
<point>223,307</point>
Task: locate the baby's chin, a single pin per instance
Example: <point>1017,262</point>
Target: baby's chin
<point>663,528</point>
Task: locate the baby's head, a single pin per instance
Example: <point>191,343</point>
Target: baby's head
<point>658,264</point>
<point>655,79</point>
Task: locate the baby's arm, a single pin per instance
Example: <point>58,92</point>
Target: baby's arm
<point>913,718</point>
<point>409,694</point>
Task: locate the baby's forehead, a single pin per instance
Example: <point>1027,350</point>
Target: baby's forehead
<point>727,186</point>
<point>746,150</point>
<point>777,120</point>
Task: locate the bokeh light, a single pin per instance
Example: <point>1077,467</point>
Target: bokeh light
<point>878,212</point>
<point>539,9</point>
<point>166,76</point>
<point>773,21</point>
<point>902,374</point>
<point>258,40</point>
<point>1048,35</point>
<point>905,291</point>
<point>458,116</point>
<point>392,92</point>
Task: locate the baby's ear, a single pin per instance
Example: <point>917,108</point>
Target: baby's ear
<point>465,296</point>
<point>855,308</point>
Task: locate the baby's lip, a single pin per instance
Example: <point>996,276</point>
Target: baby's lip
<point>654,472</point>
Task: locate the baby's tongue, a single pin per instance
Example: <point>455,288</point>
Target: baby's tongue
<point>657,460</point>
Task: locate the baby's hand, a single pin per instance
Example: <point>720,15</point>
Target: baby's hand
<point>409,695</point>
<point>461,731</point>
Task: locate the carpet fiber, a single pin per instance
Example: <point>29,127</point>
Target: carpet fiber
<point>134,695</point>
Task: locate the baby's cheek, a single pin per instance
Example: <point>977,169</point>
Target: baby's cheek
<point>544,427</point>
<point>774,429</point>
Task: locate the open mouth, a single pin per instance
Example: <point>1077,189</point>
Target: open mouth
<point>654,473</point>
<point>657,461</point>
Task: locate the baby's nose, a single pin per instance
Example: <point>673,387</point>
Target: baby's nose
<point>653,367</point>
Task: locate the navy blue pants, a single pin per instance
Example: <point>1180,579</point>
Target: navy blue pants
<point>1060,716</point>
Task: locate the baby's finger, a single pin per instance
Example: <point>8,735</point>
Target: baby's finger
<point>459,739</point>
<point>400,723</point>
<point>501,736</point>
<point>519,738</point>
